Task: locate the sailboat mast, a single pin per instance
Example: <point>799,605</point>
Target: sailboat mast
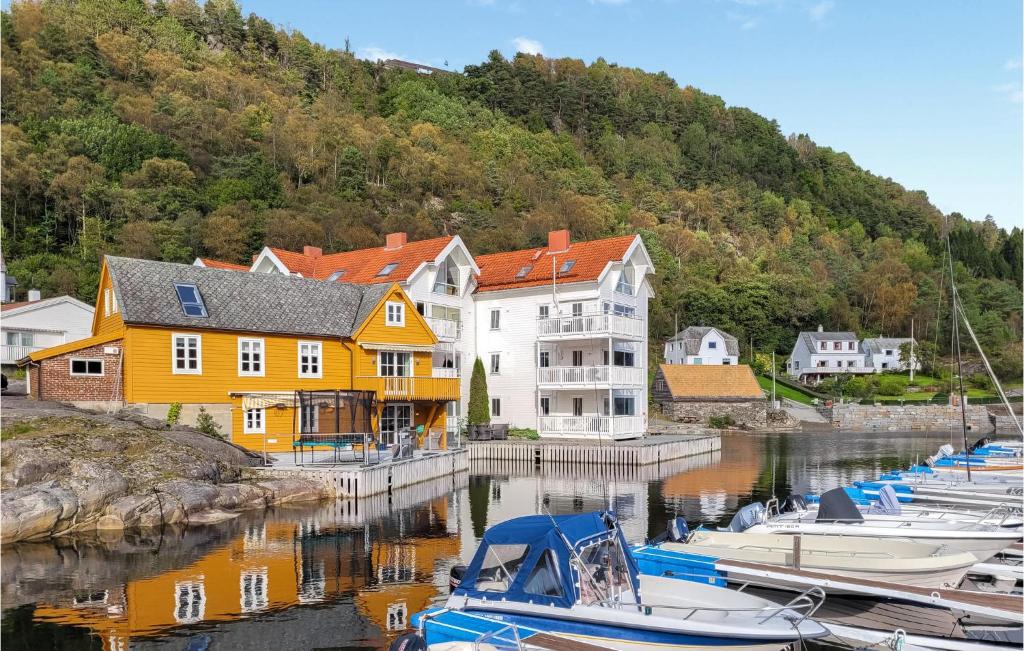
<point>956,351</point>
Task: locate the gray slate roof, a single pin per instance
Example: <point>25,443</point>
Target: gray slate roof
<point>811,338</point>
<point>879,344</point>
<point>241,300</point>
<point>692,336</point>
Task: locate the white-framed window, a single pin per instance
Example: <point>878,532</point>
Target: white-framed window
<point>106,302</point>
<point>888,353</point>
<point>310,356</point>
<point>309,417</point>
<point>625,406</point>
<point>395,314</point>
<point>82,366</point>
<point>495,363</point>
<point>577,309</point>
<point>543,311</point>
<point>186,354</point>
<point>189,601</point>
<point>625,284</point>
<point>495,407</point>
<point>851,363</point>
<point>255,423</point>
<point>605,409</point>
<point>250,357</point>
<point>114,308</point>
<point>15,338</point>
<point>712,345</point>
<point>577,406</point>
<point>851,346</point>
<point>447,279</point>
<point>577,358</point>
<point>545,406</point>
<point>394,364</point>
<point>544,359</point>
<point>796,364</point>
<point>253,590</point>
<point>495,319</point>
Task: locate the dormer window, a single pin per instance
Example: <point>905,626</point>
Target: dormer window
<point>337,275</point>
<point>712,345</point>
<point>837,345</point>
<point>191,300</point>
<point>447,279</point>
<point>567,266</point>
<point>524,271</point>
<point>625,284</point>
<point>387,269</point>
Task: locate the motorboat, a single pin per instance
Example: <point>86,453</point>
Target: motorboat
<point>898,561</point>
<point>574,577</point>
<point>837,515</point>
<point>886,503</point>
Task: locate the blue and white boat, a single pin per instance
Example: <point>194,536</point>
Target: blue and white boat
<point>574,577</point>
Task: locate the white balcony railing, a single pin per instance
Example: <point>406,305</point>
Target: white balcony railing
<point>11,354</point>
<point>591,325</point>
<point>445,372</point>
<point>836,369</point>
<point>593,426</point>
<point>575,376</point>
<point>445,329</point>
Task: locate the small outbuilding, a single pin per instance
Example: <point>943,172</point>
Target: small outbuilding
<point>695,394</point>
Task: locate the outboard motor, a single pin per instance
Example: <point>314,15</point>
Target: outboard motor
<point>748,516</point>
<point>455,576</point>
<point>943,452</point>
<point>677,530</point>
<point>795,503</point>
<point>409,642</point>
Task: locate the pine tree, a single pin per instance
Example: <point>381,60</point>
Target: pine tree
<point>479,403</point>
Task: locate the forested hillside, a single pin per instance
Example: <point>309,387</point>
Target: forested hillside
<point>167,130</point>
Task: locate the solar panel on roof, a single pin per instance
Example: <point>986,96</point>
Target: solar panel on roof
<point>387,269</point>
<point>191,300</point>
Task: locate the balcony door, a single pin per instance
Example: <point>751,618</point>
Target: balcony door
<point>394,419</point>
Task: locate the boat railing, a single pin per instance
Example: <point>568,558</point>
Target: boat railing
<point>495,636</point>
<point>804,604</point>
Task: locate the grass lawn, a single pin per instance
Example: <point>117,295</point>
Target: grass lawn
<point>783,391</point>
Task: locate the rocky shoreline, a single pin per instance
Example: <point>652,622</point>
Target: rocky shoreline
<point>65,471</point>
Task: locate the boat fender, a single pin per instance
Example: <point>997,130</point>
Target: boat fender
<point>409,642</point>
<point>677,530</point>
<point>455,576</point>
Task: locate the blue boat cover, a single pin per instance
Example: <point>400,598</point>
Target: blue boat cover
<point>544,571</point>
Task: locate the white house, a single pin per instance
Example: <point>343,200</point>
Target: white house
<point>562,333</point>
<point>7,283</point>
<point>702,345</point>
<point>438,274</point>
<point>817,355</point>
<point>35,324</point>
<point>883,354</point>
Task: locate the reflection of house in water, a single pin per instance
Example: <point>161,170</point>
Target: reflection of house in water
<point>708,494</point>
<point>385,567</point>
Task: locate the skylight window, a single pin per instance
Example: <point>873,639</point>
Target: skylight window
<point>387,269</point>
<point>525,270</point>
<point>567,266</point>
<point>336,275</point>
<point>191,300</point>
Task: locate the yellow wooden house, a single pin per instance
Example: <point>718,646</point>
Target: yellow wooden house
<point>240,345</point>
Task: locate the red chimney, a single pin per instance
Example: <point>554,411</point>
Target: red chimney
<point>558,241</point>
<point>395,240</point>
<point>312,251</point>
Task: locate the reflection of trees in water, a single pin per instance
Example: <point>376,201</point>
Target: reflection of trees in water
<point>479,499</point>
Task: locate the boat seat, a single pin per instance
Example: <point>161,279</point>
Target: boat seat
<point>492,586</point>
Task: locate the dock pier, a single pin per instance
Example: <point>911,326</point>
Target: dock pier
<point>638,452</point>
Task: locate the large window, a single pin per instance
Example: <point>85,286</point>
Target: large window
<point>250,357</point>
<point>395,314</point>
<point>445,312</point>
<point>625,406</point>
<point>19,338</point>
<point>624,358</point>
<point>310,353</point>
<point>254,421</point>
<point>395,364</point>
<point>92,367</point>
<point>625,284</point>
<point>191,300</point>
<point>447,279</point>
<point>187,354</point>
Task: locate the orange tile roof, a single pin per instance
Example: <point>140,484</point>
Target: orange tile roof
<point>711,381</point>
<point>220,264</point>
<point>500,270</point>
<point>362,265</point>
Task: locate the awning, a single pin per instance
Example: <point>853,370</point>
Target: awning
<point>402,348</point>
<point>268,399</point>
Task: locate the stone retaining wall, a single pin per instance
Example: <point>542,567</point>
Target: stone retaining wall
<point>896,418</point>
<point>751,413</point>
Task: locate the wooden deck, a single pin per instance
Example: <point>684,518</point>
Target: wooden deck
<point>639,452</point>
<point>551,642</point>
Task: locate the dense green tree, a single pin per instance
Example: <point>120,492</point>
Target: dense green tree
<point>479,412</point>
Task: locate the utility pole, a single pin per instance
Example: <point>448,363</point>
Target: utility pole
<point>912,364</point>
<point>773,379</point>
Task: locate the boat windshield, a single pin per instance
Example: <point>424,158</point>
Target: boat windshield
<point>605,574</point>
<point>500,567</point>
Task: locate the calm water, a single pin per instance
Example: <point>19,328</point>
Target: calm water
<point>348,575</point>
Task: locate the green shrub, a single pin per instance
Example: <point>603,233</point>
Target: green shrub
<point>892,385</point>
<point>721,422</point>
<point>980,381</point>
<point>206,424</point>
<point>173,414</point>
<point>479,402</point>
<point>524,433</point>
<point>861,387</point>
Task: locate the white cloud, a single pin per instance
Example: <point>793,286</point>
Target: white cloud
<point>527,45</point>
<point>1012,64</point>
<point>374,53</point>
<point>819,11</point>
<point>746,22</point>
<point>1012,91</point>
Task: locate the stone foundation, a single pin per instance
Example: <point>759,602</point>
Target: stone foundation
<point>750,413</point>
<point>896,418</point>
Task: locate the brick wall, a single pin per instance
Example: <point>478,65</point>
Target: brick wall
<point>52,380</point>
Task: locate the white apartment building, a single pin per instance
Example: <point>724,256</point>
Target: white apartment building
<point>883,354</point>
<point>438,274</point>
<point>702,345</point>
<point>35,324</point>
<point>817,355</point>
<point>562,333</point>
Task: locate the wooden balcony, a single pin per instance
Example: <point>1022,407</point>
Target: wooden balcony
<point>442,389</point>
<point>577,377</point>
<point>588,326</point>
